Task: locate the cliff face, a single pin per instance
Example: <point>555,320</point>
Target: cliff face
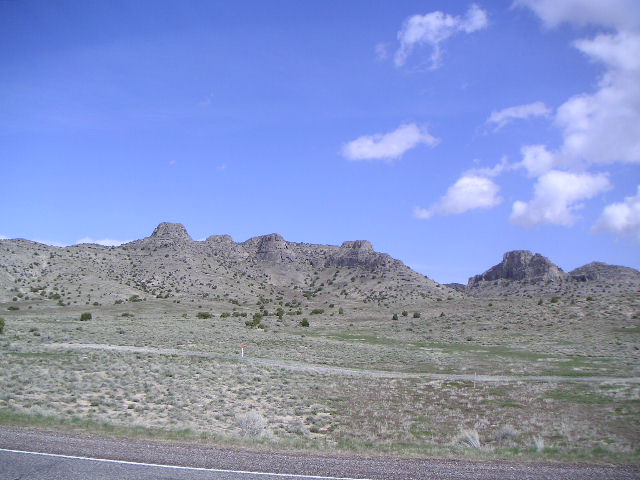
<point>520,265</point>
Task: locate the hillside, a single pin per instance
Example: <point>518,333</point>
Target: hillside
<point>169,264</point>
<point>346,347</point>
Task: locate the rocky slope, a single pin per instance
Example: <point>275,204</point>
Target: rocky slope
<point>523,273</point>
<point>170,264</point>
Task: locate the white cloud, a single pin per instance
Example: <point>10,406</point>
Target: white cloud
<point>494,171</point>
<point>536,159</point>
<point>602,127</point>
<point>556,196</point>
<point>107,242</point>
<point>501,117</point>
<point>470,192</point>
<point>434,28</point>
<point>388,146</point>
<point>621,218</point>
<point>3,237</point>
<point>610,13</point>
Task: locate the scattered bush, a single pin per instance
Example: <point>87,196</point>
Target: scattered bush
<point>395,316</point>
<point>405,313</point>
<point>255,322</point>
<point>416,314</point>
<point>13,308</point>
<point>469,438</point>
<point>538,443</point>
<point>1,325</point>
<point>317,311</point>
<point>507,434</point>
<point>85,316</point>
<point>203,315</point>
<point>304,322</point>
<point>251,424</point>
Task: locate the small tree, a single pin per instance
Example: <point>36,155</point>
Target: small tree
<point>85,316</point>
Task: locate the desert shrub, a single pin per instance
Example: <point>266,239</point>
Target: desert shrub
<point>317,311</point>
<point>395,316</point>
<point>341,311</point>
<point>255,322</point>
<point>117,302</point>
<point>405,313</point>
<point>538,443</point>
<point>13,308</point>
<point>85,316</point>
<point>555,299</point>
<point>469,438</point>
<point>416,314</point>
<point>540,302</point>
<point>507,434</point>
<point>127,314</point>
<point>304,322</point>
<point>1,325</point>
<point>203,315</point>
<point>224,314</point>
<point>251,424</point>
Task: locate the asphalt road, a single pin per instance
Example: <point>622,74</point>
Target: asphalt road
<point>32,454</point>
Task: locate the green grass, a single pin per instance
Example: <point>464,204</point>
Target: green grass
<point>578,396</point>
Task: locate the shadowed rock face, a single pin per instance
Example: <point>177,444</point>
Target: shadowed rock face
<point>520,265</point>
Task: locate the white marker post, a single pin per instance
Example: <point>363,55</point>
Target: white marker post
<point>242,351</point>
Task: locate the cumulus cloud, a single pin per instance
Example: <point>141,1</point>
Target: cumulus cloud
<point>597,128</point>
<point>501,117</point>
<point>602,127</point>
<point>107,242</point>
<point>610,13</point>
<point>470,192</point>
<point>621,218</point>
<point>536,159</point>
<point>388,146</point>
<point>434,28</point>
<point>556,197</point>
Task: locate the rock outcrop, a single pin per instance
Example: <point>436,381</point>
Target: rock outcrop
<point>171,231</point>
<point>599,271</point>
<point>520,265</point>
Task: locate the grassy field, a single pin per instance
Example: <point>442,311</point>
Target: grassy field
<point>219,397</point>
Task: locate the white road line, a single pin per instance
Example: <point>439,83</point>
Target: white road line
<point>180,467</point>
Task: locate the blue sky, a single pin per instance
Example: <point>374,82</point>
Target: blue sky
<point>445,132</point>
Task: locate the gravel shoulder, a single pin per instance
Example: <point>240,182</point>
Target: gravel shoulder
<point>203,456</point>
